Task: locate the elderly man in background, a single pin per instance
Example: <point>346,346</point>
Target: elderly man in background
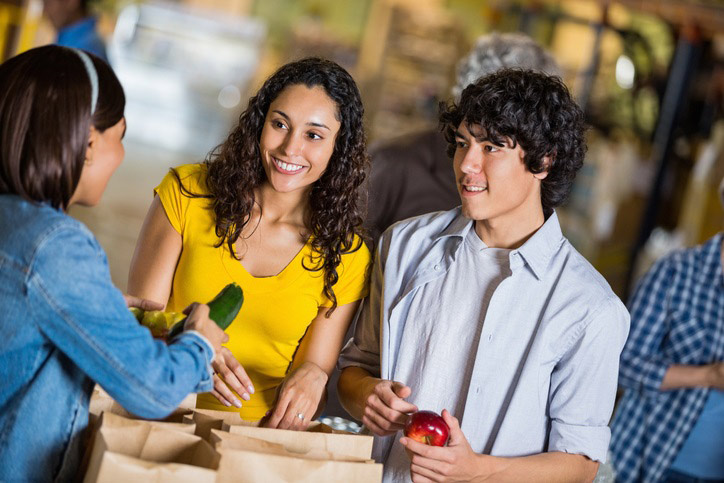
<point>411,175</point>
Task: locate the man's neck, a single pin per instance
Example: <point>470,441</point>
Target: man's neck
<point>511,230</point>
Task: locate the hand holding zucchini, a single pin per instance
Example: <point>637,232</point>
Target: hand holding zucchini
<point>222,310</point>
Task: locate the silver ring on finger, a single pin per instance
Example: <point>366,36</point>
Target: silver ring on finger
<point>300,416</point>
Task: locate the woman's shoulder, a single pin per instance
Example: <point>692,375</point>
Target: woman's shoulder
<point>28,227</point>
<point>191,176</point>
<point>358,254</point>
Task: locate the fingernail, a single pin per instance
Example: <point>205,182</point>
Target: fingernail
<point>245,397</point>
<point>237,403</point>
<point>227,403</point>
<point>251,389</point>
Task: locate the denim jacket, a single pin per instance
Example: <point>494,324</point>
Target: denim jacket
<point>64,325</point>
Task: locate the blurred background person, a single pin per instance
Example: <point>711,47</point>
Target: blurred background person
<point>412,174</point>
<point>670,423</point>
<point>75,25</point>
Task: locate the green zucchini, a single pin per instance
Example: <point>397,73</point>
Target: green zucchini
<point>222,309</point>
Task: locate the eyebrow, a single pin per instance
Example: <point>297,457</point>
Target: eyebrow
<point>458,134</point>
<point>315,124</point>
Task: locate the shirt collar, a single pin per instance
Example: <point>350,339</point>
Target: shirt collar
<point>536,251</point>
<point>79,29</point>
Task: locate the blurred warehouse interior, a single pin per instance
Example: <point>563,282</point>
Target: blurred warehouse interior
<point>649,75</point>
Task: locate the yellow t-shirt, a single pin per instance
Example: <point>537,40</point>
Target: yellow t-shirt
<point>277,310</point>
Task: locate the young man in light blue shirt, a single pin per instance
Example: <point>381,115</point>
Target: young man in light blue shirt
<point>486,313</point>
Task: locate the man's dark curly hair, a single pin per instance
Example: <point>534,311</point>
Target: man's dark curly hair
<point>532,109</point>
<point>235,168</point>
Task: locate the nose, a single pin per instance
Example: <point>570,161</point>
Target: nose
<point>472,162</point>
<point>293,145</point>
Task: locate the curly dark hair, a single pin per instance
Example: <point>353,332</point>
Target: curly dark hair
<point>235,168</point>
<point>530,108</point>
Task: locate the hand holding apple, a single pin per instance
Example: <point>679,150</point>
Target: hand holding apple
<point>427,427</point>
<point>455,462</point>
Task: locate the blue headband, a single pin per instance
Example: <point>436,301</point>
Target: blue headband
<point>92,76</point>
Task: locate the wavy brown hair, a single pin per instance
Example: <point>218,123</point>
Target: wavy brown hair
<point>235,169</point>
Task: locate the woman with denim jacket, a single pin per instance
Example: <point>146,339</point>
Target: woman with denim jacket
<point>64,325</point>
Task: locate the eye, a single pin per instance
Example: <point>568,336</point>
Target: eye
<point>489,148</point>
<point>278,124</point>
<point>314,136</point>
<point>461,144</point>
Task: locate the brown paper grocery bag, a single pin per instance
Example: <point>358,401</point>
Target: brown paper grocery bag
<point>148,442</point>
<point>241,466</point>
<point>208,419</point>
<point>223,440</point>
<point>102,402</point>
<point>118,468</point>
<point>348,444</point>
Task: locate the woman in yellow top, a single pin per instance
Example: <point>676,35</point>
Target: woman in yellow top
<point>273,208</point>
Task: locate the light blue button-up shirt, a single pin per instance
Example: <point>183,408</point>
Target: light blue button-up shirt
<point>546,367</point>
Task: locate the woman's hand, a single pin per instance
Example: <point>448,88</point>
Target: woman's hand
<point>198,320</point>
<point>298,399</point>
<point>229,372</point>
<point>143,304</point>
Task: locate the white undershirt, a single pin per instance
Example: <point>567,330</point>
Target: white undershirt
<point>446,342</point>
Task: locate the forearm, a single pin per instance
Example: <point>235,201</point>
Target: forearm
<point>351,390</point>
<point>543,467</point>
<point>679,376</point>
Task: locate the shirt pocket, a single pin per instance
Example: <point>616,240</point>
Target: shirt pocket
<point>686,341</point>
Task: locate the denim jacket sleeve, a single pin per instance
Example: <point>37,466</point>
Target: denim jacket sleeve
<point>76,306</point>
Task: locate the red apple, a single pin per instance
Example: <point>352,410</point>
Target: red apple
<point>427,427</point>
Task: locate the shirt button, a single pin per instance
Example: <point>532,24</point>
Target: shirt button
<point>436,267</point>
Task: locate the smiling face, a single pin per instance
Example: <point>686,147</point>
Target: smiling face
<point>298,137</point>
<point>493,181</point>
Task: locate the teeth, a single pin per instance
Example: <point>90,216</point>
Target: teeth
<point>287,166</point>
<point>474,188</point>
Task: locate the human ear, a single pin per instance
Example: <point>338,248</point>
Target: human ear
<point>92,138</point>
<point>543,174</point>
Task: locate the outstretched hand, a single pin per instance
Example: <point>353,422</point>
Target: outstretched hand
<point>143,304</point>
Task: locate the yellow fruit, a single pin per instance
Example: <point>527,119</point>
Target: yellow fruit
<point>160,322</point>
<point>137,313</point>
